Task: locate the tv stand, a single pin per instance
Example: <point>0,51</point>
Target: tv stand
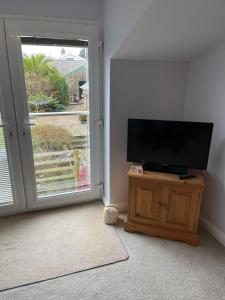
<point>164,168</point>
<point>162,205</point>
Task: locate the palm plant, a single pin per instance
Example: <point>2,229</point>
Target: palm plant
<point>40,66</point>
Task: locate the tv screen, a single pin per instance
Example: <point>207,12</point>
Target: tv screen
<point>183,144</point>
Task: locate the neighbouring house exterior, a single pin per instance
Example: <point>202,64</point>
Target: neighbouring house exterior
<point>66,62</point>
<point>75,70</point>
<point>76,78</point>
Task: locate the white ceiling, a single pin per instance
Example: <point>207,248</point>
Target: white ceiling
<point>175,30</point>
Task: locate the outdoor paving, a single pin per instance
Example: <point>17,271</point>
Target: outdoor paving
<point>70,123</point>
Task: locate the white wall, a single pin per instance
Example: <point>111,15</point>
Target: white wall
<point>140,89</point>
<point>119,17</point>
<point>205,101</point>
<point>80,9</point>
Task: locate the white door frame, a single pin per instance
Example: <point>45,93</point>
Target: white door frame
<point>10,133</point>
<point>53,29</point>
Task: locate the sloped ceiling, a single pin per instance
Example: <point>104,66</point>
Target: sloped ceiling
<point>120,17</point>
<point>175,30</point>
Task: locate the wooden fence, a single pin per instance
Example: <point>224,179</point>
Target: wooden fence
<point>60,171</point>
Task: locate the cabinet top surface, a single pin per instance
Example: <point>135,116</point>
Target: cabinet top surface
<point>172,178</point>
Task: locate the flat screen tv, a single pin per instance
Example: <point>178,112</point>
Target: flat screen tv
<point>169,146</point>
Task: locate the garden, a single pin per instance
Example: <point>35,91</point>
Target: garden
<point>47,89</point>
<point>60,141</point>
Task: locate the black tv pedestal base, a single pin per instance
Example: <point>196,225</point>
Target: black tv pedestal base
<point>165,168</point>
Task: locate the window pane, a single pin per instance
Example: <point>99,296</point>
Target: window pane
<point>6,196</point>
<point>57,88</point>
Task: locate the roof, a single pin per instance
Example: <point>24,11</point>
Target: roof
<point>75,70</point>
<point>71,56</point>
<point>69,62</point>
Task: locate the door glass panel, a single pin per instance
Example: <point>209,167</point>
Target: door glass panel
<point>6,196</point>
<point>56,77</point>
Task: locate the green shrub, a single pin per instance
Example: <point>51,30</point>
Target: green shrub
<point>83,118</point>
<point>47,138</point>
<point>61,86</point>
<point>60,107</point>
<point>41,96</point>
<point>42,103</point>
<point>51,81</point>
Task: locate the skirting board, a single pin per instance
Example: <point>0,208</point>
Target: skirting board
<point>122,205</point>
<point>218,234</point>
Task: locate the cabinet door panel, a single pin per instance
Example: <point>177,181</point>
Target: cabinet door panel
<point>182,207</point>
<point>144,202</point>
<point>179,207</point>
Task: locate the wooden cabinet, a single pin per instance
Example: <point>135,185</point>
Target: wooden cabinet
<point>162,205</point>
<point>144,202</point>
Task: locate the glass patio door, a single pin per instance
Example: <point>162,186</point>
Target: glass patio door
<point>12,198</point>
<point>55,80</point>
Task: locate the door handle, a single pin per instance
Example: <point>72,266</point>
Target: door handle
<point>29,124</point>
<point>26,124</point>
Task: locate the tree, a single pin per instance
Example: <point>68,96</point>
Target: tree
<point>43,78</point>
<point>61,85</point>
<point>37,64</point>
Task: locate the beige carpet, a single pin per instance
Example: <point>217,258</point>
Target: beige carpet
<point>47,244</point>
